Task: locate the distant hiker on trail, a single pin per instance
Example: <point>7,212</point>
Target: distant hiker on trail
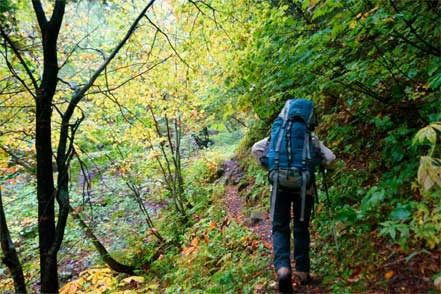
<point>290,155</point>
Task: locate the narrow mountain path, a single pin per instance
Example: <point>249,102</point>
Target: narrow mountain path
<point>260,224</point>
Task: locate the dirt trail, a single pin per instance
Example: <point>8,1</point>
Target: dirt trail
<point>260,225</point>
<point>259,222</point>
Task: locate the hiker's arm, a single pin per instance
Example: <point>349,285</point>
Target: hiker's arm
<point>328,157</point>
<point>258,149</point>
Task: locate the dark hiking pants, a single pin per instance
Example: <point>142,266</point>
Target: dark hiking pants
<point>281,230</point>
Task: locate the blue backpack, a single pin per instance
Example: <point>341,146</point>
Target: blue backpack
<point>291,156</point>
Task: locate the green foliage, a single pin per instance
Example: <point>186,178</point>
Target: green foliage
<point>217,255</point>
<point>429,171</point>
<point>374,198</point>
<point>217,260</point>
<point>372,68</point>
<point>6,6</point>
<point>425,225</point>
<point>365,65</point>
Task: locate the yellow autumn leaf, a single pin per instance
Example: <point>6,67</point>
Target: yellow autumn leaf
<point>137,279</point>
<point>153,287</point>
<point>212,225</point>
<point>26,221</point>
<point>84,273</point>
<point>437,283</point>
<point>94,278</point>
<point>195,242</point>
<point>105,284</point>
<point>7,284</point>
<point>359,15</point>
<point>353,24</point>
<point>427,133</point>
<point>429,173</point>
<point>72,287</point>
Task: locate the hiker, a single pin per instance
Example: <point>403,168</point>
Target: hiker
<point>305,152</point>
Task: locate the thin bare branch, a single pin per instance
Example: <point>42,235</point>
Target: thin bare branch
<point>17,159</point>
<point>168,40</point>
<point>14,73</point>
<point>75,47</point>
<point>71,86</point>
<point>195,3</point>
<point>430,48</point>
<point>20,58</point>
<point>78,95</point>
<point>105,255</point>
<point>132,78</point>
<point>100,51</point>
<point>197,7</point>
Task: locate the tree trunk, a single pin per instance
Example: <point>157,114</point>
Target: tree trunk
<point>10,258</point>
<point>112,263</point>
<point>45,194</point>
<point>45,180</point>
<point>50,237</point>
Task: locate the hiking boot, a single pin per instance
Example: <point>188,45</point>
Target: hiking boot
<point>284,277</point>
<point>304,277</point>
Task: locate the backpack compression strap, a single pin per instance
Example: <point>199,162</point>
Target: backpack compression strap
<point>273,198</point>
<point>279,142</point>
<point>306,158</point>
<point>288,142</point>
<point>276,166</point>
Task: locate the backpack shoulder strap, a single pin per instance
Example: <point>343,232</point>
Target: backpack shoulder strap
<point>279,139</point>
<point>306,155</point>
<point>306,159</point>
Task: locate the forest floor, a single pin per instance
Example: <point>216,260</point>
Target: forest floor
<point>395,270</point>
<point>260,224</point>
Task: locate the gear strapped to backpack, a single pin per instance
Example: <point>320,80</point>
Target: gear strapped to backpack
<point>291,156</point>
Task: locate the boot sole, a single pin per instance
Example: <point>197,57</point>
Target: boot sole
<point>285,285</point>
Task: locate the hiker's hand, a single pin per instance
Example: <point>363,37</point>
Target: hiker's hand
<point>330,166</point>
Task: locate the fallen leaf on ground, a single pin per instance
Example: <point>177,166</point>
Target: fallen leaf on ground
<point>267,245</point>
<point>389,275</point>
<point>437,283</point>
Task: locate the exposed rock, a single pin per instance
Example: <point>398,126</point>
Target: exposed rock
<point>65,276</point>
<point>257,217</point>
<point>233,172</point>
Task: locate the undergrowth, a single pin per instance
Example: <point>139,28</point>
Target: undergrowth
<point>210,253</point>
<point>386,227</point>
<point>217,255</point>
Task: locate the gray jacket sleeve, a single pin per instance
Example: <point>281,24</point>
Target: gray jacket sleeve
<point>258,149</point>
<point>328,157</point>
